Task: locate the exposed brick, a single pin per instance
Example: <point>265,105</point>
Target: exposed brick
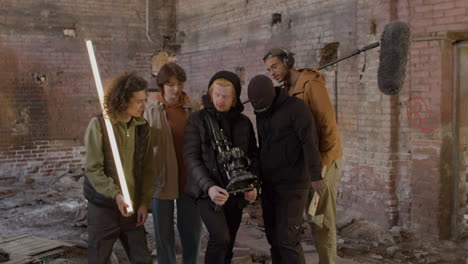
<point>461,3</point>
<point>392,170</point>
<point>423,8</point>
<point>364,115</point>
<point>444,6</point>
<point>455,12</point>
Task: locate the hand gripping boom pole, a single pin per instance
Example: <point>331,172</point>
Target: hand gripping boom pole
<point>110,130</point>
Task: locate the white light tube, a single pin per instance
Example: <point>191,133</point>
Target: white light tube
<point>110,130</point>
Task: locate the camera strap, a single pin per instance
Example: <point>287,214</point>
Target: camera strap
<point>218,141</point>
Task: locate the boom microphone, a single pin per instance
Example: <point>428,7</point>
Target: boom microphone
<point>393,57</point>
<point>394,45</point>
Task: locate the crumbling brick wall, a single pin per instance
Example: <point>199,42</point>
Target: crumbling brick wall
<point>397,149</point>
<point>436,26</point>
<point>47,93</point>
<point>397,168</point>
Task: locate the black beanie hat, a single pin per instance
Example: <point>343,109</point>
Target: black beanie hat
<point>230,76</point>
<point>261,89</point>
<point>258,83</point>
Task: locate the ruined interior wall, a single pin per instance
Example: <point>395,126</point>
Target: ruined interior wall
<point>235,34</point>
<point>396,153</point>
<point>47,93</point>
<point>397,149</point>
<point>372,126</point>
<point>430,107</point>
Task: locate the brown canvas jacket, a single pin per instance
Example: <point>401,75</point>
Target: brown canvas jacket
<point>310,87</point>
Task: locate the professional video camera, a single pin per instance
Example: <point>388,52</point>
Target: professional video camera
<point>233,160</point>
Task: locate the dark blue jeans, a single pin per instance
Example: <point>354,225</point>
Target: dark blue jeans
<point>188,223</point>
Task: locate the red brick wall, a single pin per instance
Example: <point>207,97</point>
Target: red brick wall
<point>43,120</point>
<point>397,155</point>
<point>431,86</point>
<point>397,149</point>
<point>364,114</point>
<point>41,158</point>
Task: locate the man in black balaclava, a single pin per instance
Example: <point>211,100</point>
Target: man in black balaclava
<point>289,162</point>
<point>309,85</point>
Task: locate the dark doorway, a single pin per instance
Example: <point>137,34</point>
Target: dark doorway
<point>461,140</point>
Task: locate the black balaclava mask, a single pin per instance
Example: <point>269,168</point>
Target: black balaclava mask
<point>261,93</point>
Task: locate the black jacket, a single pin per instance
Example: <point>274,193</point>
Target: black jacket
<point>199,156</point>
<point>289,154</point>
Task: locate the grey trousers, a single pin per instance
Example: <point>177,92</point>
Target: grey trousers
<point>105,226</point>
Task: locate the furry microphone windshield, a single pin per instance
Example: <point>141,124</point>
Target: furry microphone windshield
<point>394,47</point>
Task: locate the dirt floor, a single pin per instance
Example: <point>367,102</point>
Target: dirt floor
<point>56,209</point>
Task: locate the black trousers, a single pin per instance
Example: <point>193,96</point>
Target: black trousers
<point>105,226</point>
<point>222,227</point>
<point>282,216</point>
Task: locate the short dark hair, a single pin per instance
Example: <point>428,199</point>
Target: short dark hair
<point>286,56</point>
<point>169,70</point>
<point>119,91</point>
<point>274,52</point>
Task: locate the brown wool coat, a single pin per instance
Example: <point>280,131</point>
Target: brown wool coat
<point>310,87</point>
<point>165,162</point>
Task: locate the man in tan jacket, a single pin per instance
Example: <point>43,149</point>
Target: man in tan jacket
<point>309,85</point>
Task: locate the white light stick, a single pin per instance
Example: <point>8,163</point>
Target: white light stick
<point>110,130</point>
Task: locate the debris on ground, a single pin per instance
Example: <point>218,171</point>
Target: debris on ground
<point>56,210</point>
<point>25,249</point>
<point>368,243</point>
<point>4,256</point>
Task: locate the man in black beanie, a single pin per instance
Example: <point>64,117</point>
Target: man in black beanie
<point>289,162</point>
<point>207,180</point>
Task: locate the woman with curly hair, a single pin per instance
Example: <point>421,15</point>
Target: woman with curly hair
<point>108,219</point>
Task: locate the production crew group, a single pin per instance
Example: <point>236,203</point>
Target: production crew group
<point>172,167</point>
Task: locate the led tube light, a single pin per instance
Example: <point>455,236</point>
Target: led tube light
<point>110,130</point>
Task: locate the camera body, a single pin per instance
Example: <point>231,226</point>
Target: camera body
<point>234,162</point>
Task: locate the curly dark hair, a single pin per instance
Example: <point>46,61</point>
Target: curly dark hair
<point>119,91</point>
<point>167,71</point>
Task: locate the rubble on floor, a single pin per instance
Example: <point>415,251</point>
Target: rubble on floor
<point>56,210</point>
<point>369,243</point>
<point>25,249</point>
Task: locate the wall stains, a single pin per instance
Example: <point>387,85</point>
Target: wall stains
<point>372,27</point>
<point>69,32</point>
<point>240,71</point>
<point>329,53</point>
<point>158,60</point>
<point>20,126</point>
<point>418,114</point>
<point>40,78</point>
<point>275,19</point>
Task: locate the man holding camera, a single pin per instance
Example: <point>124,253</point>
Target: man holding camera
<point>207,180</point>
